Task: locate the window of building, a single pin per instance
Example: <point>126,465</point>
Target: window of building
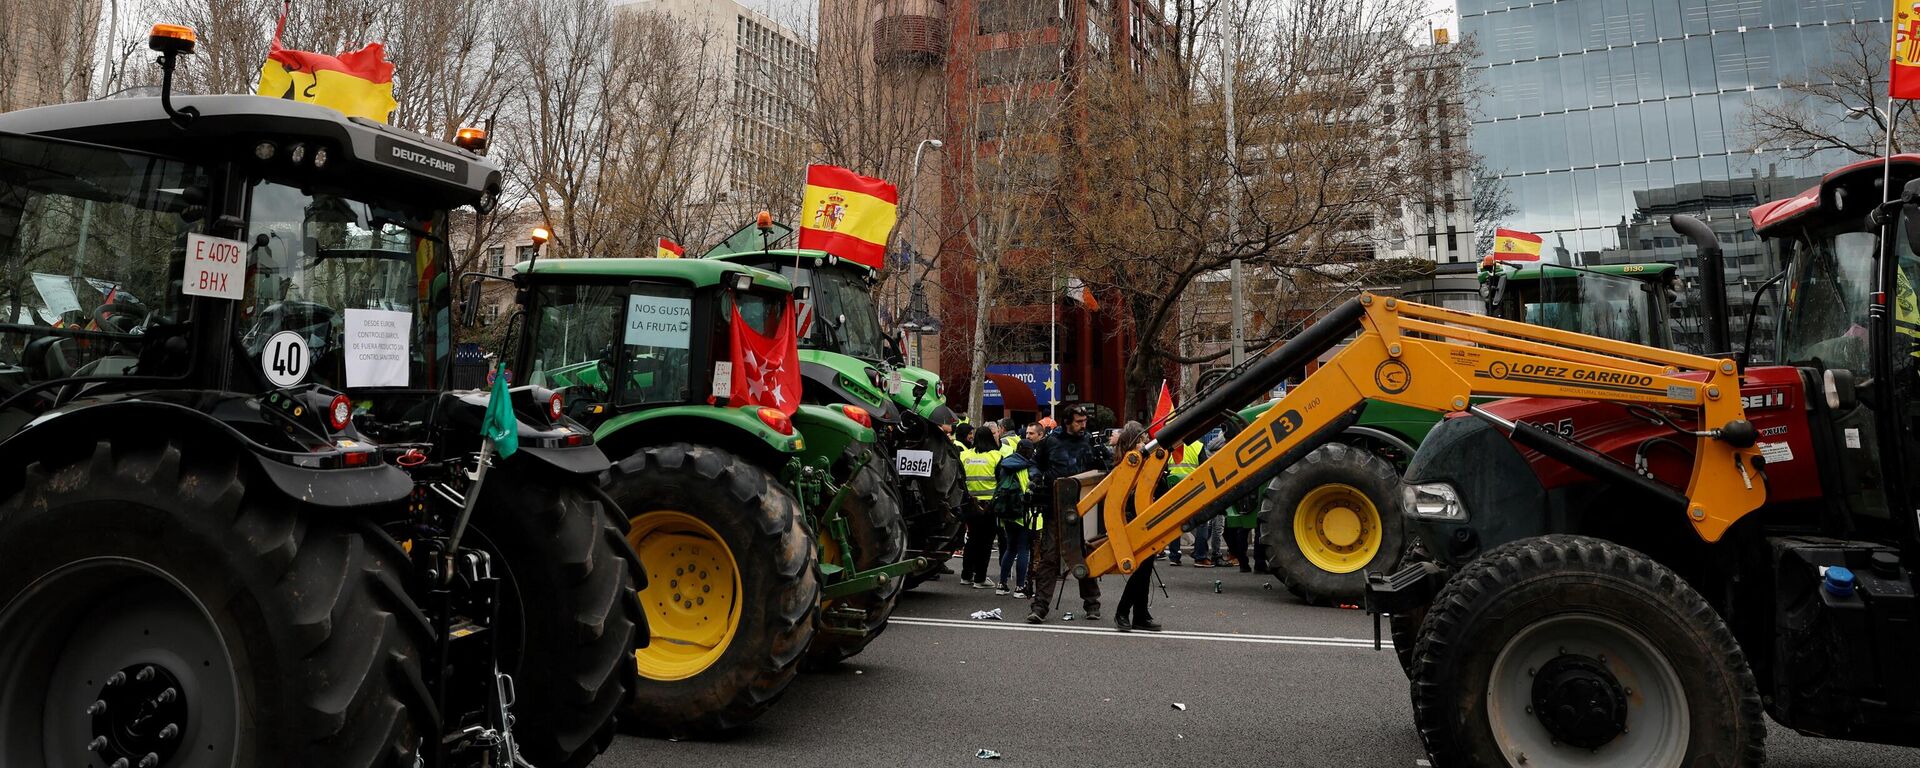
<point>1453,239</point>
<point>525,253</point>
<point>496,258</point>
<point>994,16</point>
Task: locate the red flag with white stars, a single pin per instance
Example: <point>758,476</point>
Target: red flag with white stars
<point>766,369</point>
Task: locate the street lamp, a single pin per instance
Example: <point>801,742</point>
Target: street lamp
<point>906,209</point>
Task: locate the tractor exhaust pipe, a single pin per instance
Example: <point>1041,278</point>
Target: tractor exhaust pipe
<point>1713,282</point>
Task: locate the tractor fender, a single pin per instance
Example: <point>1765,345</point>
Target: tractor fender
<point>331,488</point>
<point>1391,438</point>
<point>738,430</point>
<point>827,431</point>
<point>846,386</point>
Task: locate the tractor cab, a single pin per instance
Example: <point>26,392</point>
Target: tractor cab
<point>1625,302</point>
<point>622,336</point>
<point>273,247</point>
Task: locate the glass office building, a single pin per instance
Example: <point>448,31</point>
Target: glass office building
<point>1605,117</point>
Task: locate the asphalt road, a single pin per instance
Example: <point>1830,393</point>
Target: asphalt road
<point>1265,679</point>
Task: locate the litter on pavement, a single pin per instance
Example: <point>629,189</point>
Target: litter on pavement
<point>993,615</point>
<point>1180,706</point>
<point>1068,617</point>
<point>987,754</point>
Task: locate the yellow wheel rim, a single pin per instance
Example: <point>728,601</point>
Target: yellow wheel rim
<point>692,599</point>
<point>1337,527</point>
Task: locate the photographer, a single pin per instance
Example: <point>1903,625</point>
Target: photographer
<point>1065,453</point>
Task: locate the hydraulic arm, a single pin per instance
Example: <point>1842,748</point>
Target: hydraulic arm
<point>1436,359</point>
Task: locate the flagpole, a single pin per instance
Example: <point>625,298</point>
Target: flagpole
<point>1053,341</point>
<point>1886,159</point>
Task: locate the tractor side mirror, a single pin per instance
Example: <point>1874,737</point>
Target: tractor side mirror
<point>470,306</point>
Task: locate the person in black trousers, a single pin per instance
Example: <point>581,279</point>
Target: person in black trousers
<point>1132,613</point>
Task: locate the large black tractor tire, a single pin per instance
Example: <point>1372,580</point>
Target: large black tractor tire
<point>934,528</point>
<point>284,631</point>
<point>1569,648</point>
<point>1329,519</point>
<point>732,586</point>
<point>874,533</point>
<point>569,618</point>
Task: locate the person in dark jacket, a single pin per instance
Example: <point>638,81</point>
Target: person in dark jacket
<point>1063,454</point>
<point>1132,613</point>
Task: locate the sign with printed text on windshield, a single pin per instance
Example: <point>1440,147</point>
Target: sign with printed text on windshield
<point>659,321</point>
<point>379,346</point>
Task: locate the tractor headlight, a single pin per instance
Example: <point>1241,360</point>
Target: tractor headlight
<point>1432,501</point>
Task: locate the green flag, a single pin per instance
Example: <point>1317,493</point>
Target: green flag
<point>500,426</point>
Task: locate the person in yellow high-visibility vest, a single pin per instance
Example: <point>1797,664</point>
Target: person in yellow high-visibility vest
<point>1182,463</point>
<point>978,462</point>
<point>1906,310</point>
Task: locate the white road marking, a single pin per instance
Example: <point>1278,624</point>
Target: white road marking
<point>1109,631</point>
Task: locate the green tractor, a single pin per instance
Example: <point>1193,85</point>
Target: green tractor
<point>1332,517</point>
<point>244,519</point>
<point>843,360</point>
<point>771,535</point>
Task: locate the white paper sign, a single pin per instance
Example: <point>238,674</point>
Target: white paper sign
<point>378,346</point>
<point>659,321</point>
<point>56,292</point>
<point>1776,453</point>
<point>1852,436</point>
<point>913,463</point>
<point>722,379</point>
<point>215,267</point>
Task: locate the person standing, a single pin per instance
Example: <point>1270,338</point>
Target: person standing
<point>979,462</point>
<point>1013,504</point>
<point>1132,613</point>
<point>1063,454</point>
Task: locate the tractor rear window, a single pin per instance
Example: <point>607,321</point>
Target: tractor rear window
<point>92,243</point>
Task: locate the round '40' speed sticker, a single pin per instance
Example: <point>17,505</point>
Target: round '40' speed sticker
<point>285,359</point>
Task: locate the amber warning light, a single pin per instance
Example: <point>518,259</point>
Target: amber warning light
<point>176,38</point>
<point>471,139</point>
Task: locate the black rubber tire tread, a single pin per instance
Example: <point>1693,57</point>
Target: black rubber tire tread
<point>1526,580</point>
<point>943,493</point>
<point>1406,630</point>
<point>325,639</point>
<point>875,532</point>
<point>1331,463</point>
<point>569,616</point>
<point>766,531</point>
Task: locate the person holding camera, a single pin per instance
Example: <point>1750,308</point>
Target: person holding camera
<point>1064,453</point>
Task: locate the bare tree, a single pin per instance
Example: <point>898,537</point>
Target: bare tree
<point>1326,110</point>
<point>1006,188</point>
<point>51,53</point>
<point>1492,204</point>
<point>1835,105</point>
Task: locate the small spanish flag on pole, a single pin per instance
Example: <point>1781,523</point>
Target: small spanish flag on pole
<point>847,215</point>
<point>1515,245</point>
<point>669,249</point>
<point>358,84</point>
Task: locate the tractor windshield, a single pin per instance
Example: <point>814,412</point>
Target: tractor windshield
<point>1593,303</point>
<point>1825,316</point>
<point>588,338</point>
<point>92,242</point>
<point>842,317</point>
<point>344,292</point>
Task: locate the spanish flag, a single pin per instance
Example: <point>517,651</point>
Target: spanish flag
<point>1905,56</point>
<point>669,249</point>
<point>847,215</point>
<point>1515,245</point>
<point>358,84</point>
